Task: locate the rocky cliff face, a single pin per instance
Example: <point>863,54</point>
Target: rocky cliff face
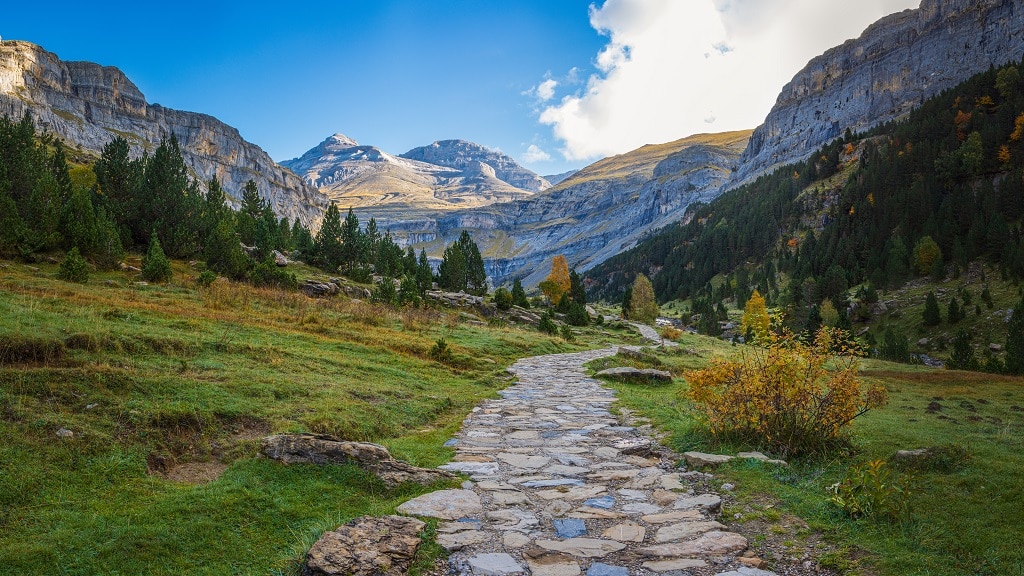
<point>386,186</point>
<point>895,65</point>
<point>87,105</point>
<point>598,212</point>
<point>460,154</point>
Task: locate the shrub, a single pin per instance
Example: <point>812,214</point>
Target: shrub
<point>441,352</point>
<point>205,278</point>
<point>503,299</point>
<point>74,268</point>
<point>567,334</point>
<point>671,333</point>
<point>267,273</point>
<point>547,323</point>
<point>872,490</point>
<point>155,266</point>
<point>796,397</point>
<point>895,347</point>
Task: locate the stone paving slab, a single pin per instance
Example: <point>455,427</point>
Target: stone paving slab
<point>561,488</point>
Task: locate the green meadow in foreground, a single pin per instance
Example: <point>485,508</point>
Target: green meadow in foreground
<point>966,507</point>
<point>167,390</point>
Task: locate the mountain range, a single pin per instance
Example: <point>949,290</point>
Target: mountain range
<point>87,105</point>
<point>428,195</point>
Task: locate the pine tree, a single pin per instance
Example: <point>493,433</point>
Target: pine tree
<point>931,314</point>
<point>627,301</point>
<point>1015,341</point>
<point>577,293</point>
<point>451,273</point>
<point>155,266</point>
<point>249,213</point>
<point>962,356</point>
<point>476,276</point>
<point>326,253</point>
<point>74,268</point>
<point>224,253</point>
<point>424,274</point>
<point>953,313</point>
<point>519,295</point>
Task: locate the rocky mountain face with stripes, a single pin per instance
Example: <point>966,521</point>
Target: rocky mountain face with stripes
<point>86,105</point>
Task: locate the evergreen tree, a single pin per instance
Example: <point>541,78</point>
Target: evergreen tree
<point>962,356</point>
<point>155,266</point>
<point>931,314</point>
<point>577,293</point>
<point>171,203</point>
<point>519,295</point>
<point>353,243</point>
<point>74,268</point>
<point>249,213</point>
<point>476,276</point>
<point>502,298</point>
<point>814,322</point>
<point>895,347</point>
<point>224,253</point>
<point>327,253</point>
<point>118,181</point>
<point>627,301</point>
<point>1015,341</point>
<point>109,251</point>
<point>953,313</point>
<point>451,273</point>
<point>302,239</point>
<point>424,274</point>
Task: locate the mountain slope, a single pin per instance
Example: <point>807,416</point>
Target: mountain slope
<point>463,155</point>
<point>386,186</point>
<point>924,197</point>
<point>87,105</point>
<point>598,212</point>
<point>894,66</point>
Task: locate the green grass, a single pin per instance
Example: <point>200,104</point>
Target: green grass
<point>965,519</point>
<point>152,377</point>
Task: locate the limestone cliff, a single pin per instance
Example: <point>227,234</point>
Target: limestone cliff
<point>86,105</point>
<point>596,213</point>
<point>895,65</point>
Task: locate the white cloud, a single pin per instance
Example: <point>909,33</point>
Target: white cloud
<point>546,90</point>
<point>535,154</point>
<point>671,68</point>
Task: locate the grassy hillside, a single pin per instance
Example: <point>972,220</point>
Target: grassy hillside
<point>167,390</point>
<point>966,507</point>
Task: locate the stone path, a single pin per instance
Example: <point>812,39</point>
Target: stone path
<point>558,488</point>
<point>652,335</point>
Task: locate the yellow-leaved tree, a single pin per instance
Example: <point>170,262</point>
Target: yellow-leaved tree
<point>557,283</point>
<point>755,317</point>
<point>642,306</point>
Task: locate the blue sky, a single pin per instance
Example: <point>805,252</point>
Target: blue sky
<point>554,83</point>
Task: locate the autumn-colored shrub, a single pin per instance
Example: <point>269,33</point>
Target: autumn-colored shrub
<point>795,397</point>
<point>671,333</point>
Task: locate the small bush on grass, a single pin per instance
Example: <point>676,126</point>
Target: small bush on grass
<point>567,334</point>
<point>74,268</point>
<point>873,490</point>
<point>268,274</point>
<point>671,333</point>
<point>205,278</point>
<point>503,298</point>
<point>798,398</point>
<point>441,352</point>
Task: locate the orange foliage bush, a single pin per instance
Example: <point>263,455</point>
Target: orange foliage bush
<point>796,398</point>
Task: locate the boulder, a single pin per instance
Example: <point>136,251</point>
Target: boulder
<point>366,546</point>
<point>279,259</point>
<point>703,459</point>
<point>322,449</point>
<point>318,289</point>
<point>630,373</point>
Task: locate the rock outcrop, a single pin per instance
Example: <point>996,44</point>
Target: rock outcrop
<point>87,105</point>
<point>366,546</point>
<point>895,65</point>
<point>322,449</point>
